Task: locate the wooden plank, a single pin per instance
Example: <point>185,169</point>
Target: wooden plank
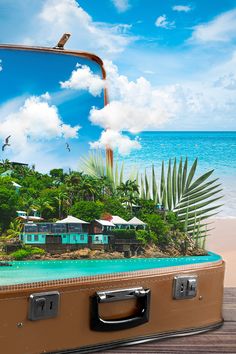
<point>229,307</point>
<point>220,341</point>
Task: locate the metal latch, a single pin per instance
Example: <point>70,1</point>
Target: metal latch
<point>43,305</point>
<point>185,287</point>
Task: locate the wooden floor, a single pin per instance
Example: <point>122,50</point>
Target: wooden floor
<point>221,341</point>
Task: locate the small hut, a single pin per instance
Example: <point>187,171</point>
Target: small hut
<point>136,224</point>
<point>119,222</point>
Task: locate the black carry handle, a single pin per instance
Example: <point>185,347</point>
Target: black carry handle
<point>98,324</point>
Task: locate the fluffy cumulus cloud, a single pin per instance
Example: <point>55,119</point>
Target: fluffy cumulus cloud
<point>134,105</point>
<point>84,79</point>
<point>221,29</point>
<point>34,122</point>
<point>181,8</point>
<point>116,141</point>
<point>137,106</point>
<point>121,5</point>
<point>56,17</point>
<point>163,22</point>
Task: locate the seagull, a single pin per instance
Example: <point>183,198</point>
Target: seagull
<point>68,147</point>
<point>6,143</point>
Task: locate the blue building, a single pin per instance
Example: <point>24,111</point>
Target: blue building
<point>70,233</point>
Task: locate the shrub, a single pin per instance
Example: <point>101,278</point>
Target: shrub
<point>173,221</point>
<point>146,236</point>
<point>161,229</point>
<point>20,254</point>
<point>26,252</point>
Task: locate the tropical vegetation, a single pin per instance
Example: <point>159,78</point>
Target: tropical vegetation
<point>175,206</point>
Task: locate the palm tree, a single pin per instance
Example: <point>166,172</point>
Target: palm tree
<point>42,204</point>
<point>129,192</point>
<point>14,230</point>
<point>192,200</point>
<point>28,204</point>
<point>63,201</point>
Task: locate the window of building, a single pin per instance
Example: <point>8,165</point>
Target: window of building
<point>64,236</point>
<point>29,238</point>
<point>36,237</point>
<point>82,237</point>
<point>74,238</point>
<point>96,238</point>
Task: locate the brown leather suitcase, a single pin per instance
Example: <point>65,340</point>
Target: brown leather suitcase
<point>88,314</point>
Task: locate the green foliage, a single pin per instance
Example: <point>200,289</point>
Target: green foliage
<point>8,204</point>
<point>146,207</point>
<point>128,193</point>
<point>173,221</point>
<point>87,210</point>
<point>34,250</point>
<point>95,165</point>
<point>19,254</point>
<point>146,236</point>
<point>26,252</point>
<point>180,191</point>
<point>113,206</point>
<point>188,200</point>
<point>159,227</point>
<point>14,230</point>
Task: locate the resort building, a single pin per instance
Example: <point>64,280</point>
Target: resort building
<point>99,230</point>
<point>70,233</point>
<point>22,215</point>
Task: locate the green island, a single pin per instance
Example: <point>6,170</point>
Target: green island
<point>99,213</point>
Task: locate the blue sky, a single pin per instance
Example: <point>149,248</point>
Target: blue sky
<point>171,64</point>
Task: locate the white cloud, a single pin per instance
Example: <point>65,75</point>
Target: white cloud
<point>121,5</point>
<point>67,16</point>
<point>162,22</point>
<point>137,106</point>
<point>42,22</point>
<point>134,106</point>
<point>116,140</point>
<point>221,29</point>
<point>35,122</point>
<point>84,79</point>
<point>181,8</point>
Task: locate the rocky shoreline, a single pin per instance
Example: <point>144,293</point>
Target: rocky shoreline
<point>86,253</point>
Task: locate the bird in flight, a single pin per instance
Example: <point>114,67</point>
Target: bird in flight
<point>68,147</point>
<point>6,143</point>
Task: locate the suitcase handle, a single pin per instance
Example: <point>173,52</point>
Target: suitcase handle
<point>99,324</point>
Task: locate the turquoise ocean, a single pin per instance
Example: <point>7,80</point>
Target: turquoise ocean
<point>214,150</point>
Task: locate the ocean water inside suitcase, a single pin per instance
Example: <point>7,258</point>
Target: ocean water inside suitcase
<point>35,271</point>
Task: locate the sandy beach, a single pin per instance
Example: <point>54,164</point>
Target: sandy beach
<point>223,241</point>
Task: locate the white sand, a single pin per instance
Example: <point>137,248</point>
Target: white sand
<point>223,241</point>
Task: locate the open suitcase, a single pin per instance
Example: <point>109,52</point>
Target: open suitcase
<point>79,306</point>
<point>180,296</point>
